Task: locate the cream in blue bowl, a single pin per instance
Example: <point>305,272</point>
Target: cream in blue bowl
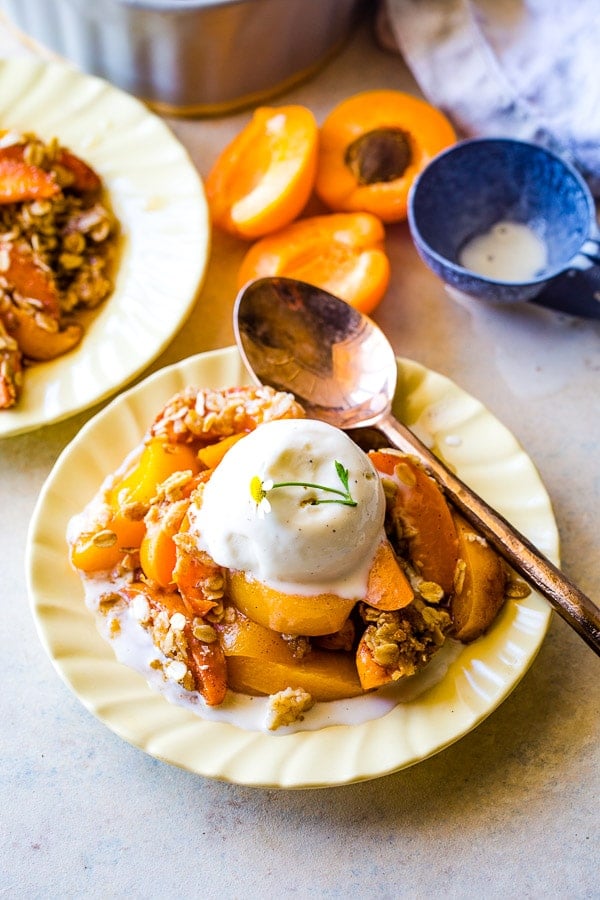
<point>499,218</point>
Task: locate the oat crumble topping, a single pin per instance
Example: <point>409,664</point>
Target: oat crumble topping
<point>57,253</point>
<point>288,706</point>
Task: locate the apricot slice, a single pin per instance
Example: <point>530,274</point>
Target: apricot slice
<point>104,547</point>
<point>211,455</point>
<point>423,515</point>
<point>388,587</point>
<point>372,146</point>
<point>29,278</point>
<point>205,658</point>
<point>263,179</point>
<point>371,675</point>
<point>208,666</point>
<point>36,342</point>
<point>198,578</point>
<point>158,460</point>
<point>480,584</point>
<point>341,253</point>
<point>20,181</point>
<point>259,661</point>
<point>288,613</point>
<point>158,553</point>
<point>85,179</point>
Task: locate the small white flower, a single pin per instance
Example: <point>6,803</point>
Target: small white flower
<point>258,492</point>
<point>263,509</point>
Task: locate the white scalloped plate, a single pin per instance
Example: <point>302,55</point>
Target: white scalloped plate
<point>484,454</point>
<point>159,199</point>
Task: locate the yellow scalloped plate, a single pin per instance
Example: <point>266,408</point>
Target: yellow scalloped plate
<point>458,427</point>
<point>159,199</point>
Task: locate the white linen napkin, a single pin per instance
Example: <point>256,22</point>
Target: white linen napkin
<point>527,69</point>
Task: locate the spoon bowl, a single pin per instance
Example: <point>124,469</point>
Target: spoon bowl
<point>341,368</point>
<point>298,338</point>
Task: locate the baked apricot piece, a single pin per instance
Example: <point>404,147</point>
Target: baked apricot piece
<point>372,146</point>
<point>315,614</point>
<point>399,643</point>
<point>85,179</point>
<point>323,613</point>
<point>29,278</point>
<point>124,528</point>
<point>263,179</point>
<point>158,553</point>
<point>21,181</point>
<point>36,342</point>
<point>157,461</point>
<point>423,517</point>
<point>480,585</point>
<point>11,369</point>
<point>36,330</point>
<point>211,455</point>
<point>104,547</point>
<point>388,587</point>
<point>260,661</point>
<point>341,253</point>
<point>204,658</point>
<point>370,673</point>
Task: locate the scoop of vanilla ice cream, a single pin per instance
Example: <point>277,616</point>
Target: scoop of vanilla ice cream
<point>290,539</point>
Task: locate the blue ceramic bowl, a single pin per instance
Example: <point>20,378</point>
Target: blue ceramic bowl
<point>471,186</point>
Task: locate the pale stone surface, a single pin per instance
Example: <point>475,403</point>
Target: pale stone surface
<point>511,810</point>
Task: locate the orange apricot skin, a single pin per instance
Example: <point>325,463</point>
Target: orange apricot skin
<point>158,554</point>
<point>428,131</point>
<point>370,673</point>
<point>311,615</point>
<point>263,179</point>
<point>480,592</point>
<point>388,587</point>
<point>89,555</point>
<point>422,508</point>
<point>341,253</point>
<point>158,460</point>
<point>260,661</point>
<point>211,455</point>
<point>36,342</point>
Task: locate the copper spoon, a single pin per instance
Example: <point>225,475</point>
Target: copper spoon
<point>342,369</point>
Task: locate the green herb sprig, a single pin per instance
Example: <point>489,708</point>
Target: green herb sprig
<point>259,490</point>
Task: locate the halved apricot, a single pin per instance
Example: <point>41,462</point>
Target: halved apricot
<point>371,148</point>
<point>343,254</point>
<point>263,179</point>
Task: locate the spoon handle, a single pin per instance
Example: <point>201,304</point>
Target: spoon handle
<point>566,598</point>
